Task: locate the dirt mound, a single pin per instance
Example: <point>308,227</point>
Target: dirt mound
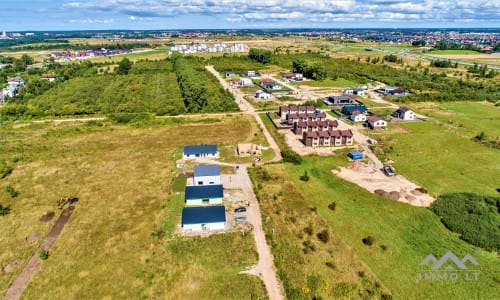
<point>393,196</point>
<point>34,237</point>
<point>48,216</point>
<point>12,266</point>
<point>421,190</point>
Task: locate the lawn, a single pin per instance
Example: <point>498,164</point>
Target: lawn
<point>119,242</point>
<point>403,237</point>
<point>337,83</point>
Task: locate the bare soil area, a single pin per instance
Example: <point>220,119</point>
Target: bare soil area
<point>395,188</point>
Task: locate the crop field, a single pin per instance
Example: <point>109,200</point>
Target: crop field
<point>299,212</point>
<point>120,241</point>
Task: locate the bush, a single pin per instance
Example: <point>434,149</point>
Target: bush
<point>369,240</point>
<point>304,177</point>
<point>4,210</point>
<point>44,254</point>
<point>291,156</point>
<point>11,191</point>
<point>475,217</point>
<point>4,169</point>
<point>323,236</point>
<point>332,205</point>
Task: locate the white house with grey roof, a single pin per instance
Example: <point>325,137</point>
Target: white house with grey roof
<point>207,175</point>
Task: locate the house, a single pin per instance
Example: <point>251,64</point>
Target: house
<point>17,81</point>
<point>203,218</point>
<point>298,76</point>
<point>398,92</point>
<point>260,94</point>
<point>245,82</point>
<point>357,116</point>
<point>270,85</point>
<point>248,150</point>
<point>340,100</point>
<point>206,175</point>
<point>305,117</point>
<point>386,90</point>
<point>294,109</point>
<point>354,109</point>
<point>359,92</point>
<point>251,73</point>
<point>376,122</point>
<point>49,78</point>
<point>200,151</point>
<point>300,127</point>
<point>404,113</point>
<point>355,155</point>
<point>203,194</point>
<point>327,138</point>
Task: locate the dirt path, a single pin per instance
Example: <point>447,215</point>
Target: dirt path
<point>249,109</point>
<point>264,268</point>
<point>16,289</point>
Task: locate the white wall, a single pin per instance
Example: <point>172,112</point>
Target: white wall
<point>206,180</point>
<point>197,202</point>
<point>201,156</point>
<point>208,226</point>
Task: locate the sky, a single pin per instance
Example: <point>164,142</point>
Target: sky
<point>39,15</point>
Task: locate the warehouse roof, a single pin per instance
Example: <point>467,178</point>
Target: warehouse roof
<point>204,191</point>
<point>203,214</point>
<point>200,149</point>
<point>207,170</point>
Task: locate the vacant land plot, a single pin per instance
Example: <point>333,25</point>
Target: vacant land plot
<point>401,237</point>
<point>118,243</point>
<point>441,158</point>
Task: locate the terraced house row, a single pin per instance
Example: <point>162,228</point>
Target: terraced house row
<point>327,138</point>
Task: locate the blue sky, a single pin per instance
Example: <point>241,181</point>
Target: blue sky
<point>21,15</point>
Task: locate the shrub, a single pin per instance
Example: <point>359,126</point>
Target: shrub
<point>383,247</point>
<point>308,230</point>
<point>332,205</point>
<point>291,156</point>
<point>11,191</point>
<point>304,177</point>
<point>323,236</point>
<point>4,169</point>
<point>4,210</point>
<point>44,254</point>
<point>474,217</point>
<point>330,265</point>
<point>369,240</point>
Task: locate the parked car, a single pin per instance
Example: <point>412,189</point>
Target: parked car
<point>240,209</point>
<point>388,170</point>
<point>241,219</point>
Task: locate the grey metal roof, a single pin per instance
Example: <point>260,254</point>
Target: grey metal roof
<point>206,170</point>
<point>204,191</point>
<point>203,214</point>
<point>200,149</point>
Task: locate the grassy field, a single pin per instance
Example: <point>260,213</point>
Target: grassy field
<point>403,237</point>
<point>119,242</point>
<point>442,158</point>
<point>447,52</point>
<point>338,83</point>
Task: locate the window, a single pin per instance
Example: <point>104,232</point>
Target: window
<point>211,182</point>
<point>205,201</point>
<point>200,182</point>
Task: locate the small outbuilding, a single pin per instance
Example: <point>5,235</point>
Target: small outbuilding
<point>204,194</point>
<point>200,151</point>
<point>355,155</point>
<point>203,218</point>
<point>206,175</point>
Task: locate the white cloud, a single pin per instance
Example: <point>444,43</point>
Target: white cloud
<point>92,21</point>
<point>303,11</point>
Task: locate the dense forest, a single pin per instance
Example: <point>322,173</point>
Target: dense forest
<point>476,218</point>
<point>141,87</point>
